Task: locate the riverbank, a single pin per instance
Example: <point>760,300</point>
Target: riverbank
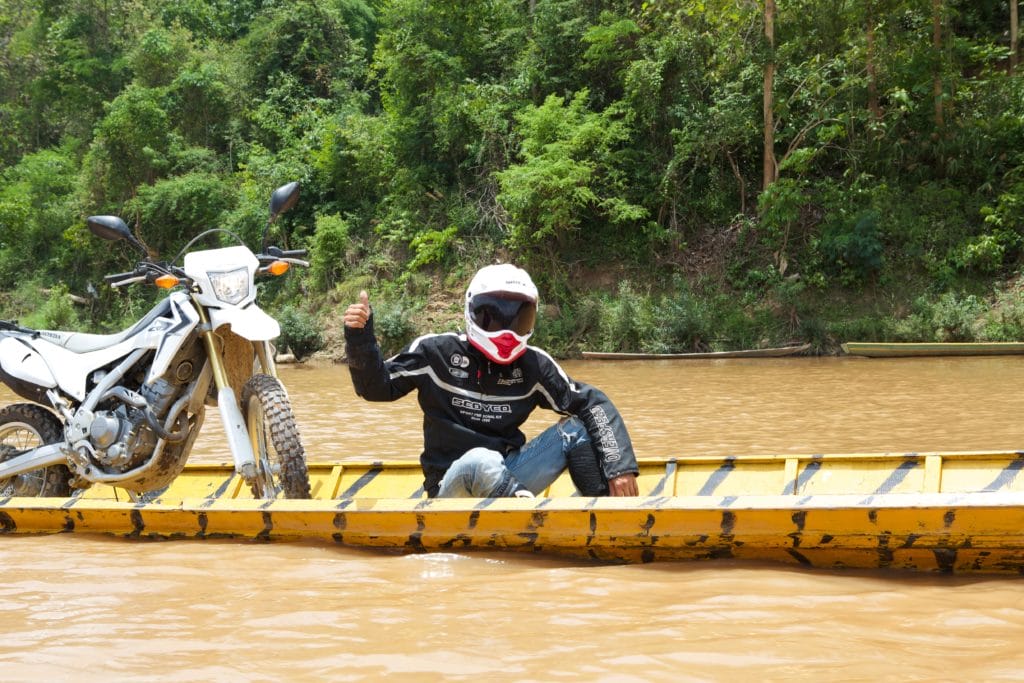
<point>647,317</point>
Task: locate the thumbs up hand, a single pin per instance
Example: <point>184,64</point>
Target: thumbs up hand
<point>357,314</point>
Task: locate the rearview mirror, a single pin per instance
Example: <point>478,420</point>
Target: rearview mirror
<point>283,199</point>
<point>114,229</point>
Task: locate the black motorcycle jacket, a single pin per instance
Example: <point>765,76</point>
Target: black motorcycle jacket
<point>468,401</point>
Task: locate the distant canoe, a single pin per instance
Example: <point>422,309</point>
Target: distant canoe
<point>905,349</point>
<point>746,353</point>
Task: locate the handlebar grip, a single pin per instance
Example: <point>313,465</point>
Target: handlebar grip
<point>129,281</point>
<point>278,252</point>
<point>115,279</point>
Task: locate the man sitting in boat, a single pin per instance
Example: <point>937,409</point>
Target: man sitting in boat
<point>477,388</point>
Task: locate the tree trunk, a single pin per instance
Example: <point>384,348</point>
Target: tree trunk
<point>770,168</point>
<point>937,74</point>
<point>1014,36</point>
<point>876,110</point>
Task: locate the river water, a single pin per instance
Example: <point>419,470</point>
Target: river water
<point>102,609</point>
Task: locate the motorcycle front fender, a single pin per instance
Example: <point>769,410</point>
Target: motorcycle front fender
<point>251,323</point>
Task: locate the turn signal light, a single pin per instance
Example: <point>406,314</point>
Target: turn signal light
<point>166,281</point>
<point>278,267</point>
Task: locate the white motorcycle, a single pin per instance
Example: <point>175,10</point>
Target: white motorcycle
<point>125,409</point>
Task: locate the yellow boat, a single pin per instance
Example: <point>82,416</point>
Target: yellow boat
<point>932,512</point>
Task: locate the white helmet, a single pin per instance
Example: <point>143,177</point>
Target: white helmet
<point>501,309</point>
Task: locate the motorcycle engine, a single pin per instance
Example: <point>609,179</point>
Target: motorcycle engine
<point>122,437</point>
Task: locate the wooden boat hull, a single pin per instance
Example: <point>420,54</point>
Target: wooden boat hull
<point>908,349</point>
<point>951,512</point>
<point>776,352</point>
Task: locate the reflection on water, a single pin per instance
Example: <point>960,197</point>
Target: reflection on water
<point>107,609</point>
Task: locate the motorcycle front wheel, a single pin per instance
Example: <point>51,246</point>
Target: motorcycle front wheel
<point>280,457</point>
<point>24,426</point>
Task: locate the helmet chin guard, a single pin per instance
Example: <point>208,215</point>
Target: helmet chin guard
<point>500,347</point>
<point>501,309</point>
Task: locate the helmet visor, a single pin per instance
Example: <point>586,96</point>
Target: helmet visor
<point>496,312</point>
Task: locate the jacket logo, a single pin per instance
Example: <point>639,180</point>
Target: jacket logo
<point>516,378</point>
<point>459,361</point>
<point>609,445</point>
<point>479,407</point>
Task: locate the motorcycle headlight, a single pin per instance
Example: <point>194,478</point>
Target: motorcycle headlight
<point>230,286</point>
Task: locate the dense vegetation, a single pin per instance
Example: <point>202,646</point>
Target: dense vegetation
<point>677,175</point>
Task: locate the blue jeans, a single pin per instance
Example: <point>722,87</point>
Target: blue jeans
<point>483,473</point>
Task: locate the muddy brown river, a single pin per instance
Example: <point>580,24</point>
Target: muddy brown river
<point>104,609</point>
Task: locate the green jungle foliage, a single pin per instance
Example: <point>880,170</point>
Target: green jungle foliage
<point>615,148</point>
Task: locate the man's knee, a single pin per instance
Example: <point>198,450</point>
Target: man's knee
<point>585,470</point>
<point>481,458</point>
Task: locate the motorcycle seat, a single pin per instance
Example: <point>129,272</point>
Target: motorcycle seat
<point>84,342</point>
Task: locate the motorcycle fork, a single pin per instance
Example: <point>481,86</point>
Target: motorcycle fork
<point>266,358</point>
<point>231,414</point>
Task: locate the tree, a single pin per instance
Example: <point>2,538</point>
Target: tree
<point>770,166</point>
<point>1014,36</point>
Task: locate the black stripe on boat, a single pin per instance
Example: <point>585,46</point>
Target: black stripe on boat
<point>202,520</point>
<point>593,529</point>
<point>804,476</point>
<point>221,490</point>
<point>717,477</point>
<point>138,525</point>
<point>645,528</point>
<point>799,557</point>
<point>670,471</point>
<point>268,527</point>
<point>897,475</point>
<point>362,481</point>
<point>728,524</point>
<point>945,558</point>
<point>1007,475</point>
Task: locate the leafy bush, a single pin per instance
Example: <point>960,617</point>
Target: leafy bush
<point>174,210</point>
<point>622,321</point>
<point>951,318</point>
<point>56,313</point>
<point>432,246</point>
<point>393,326</point>
<point>299,332</point>
<point>681,322</point>
<point>854,247</point>
<point>327,253</point>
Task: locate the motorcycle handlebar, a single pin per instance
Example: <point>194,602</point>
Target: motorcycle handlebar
<point>119,279</point>
<point>278,253</point>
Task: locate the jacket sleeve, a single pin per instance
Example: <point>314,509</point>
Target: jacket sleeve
<point>607,430</point>
<point>371,377</point>
<point>608,435</point>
